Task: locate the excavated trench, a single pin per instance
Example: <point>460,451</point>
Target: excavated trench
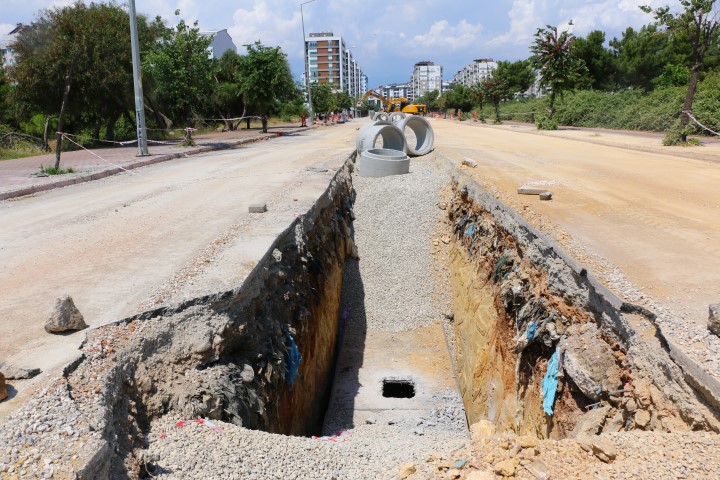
<point>263,356</point>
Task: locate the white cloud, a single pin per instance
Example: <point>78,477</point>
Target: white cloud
<point>271,22</point>
<point>442,36</point>
<point>524,21</point>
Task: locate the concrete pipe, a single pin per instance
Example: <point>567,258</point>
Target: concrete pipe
<point>382,116</point>
<point>362,130</point>
<point>395,117</point>
<point>392,137</point>
<point>382,162</point>
<point>424,139</point>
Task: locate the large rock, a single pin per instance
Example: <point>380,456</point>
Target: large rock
<point>65,316</point>
<point>18,373</point>
<point>590,423</point>
<point>714,319</point>
<point>3,388</point>
<point>589,362</point>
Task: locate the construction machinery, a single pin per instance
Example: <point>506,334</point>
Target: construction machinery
<point>401,104</point>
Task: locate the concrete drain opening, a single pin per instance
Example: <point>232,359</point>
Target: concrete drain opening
<point>395,388</point>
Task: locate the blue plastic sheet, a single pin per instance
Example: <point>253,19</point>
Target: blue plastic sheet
<point>293,359</point>
<point>532,330</point>
<point>550,383</point>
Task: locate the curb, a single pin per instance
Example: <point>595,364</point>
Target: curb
<point>142,163</point>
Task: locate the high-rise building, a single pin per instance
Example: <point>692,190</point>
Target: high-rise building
<point>426,77</point>
<point>476,72</point>
<point>330,61</point>
<point>221,42</point>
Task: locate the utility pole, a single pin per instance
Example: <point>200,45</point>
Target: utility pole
<point>307,64</point>
<point>137,80</point>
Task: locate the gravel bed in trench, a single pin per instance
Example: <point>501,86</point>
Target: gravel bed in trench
<point>395,218</point>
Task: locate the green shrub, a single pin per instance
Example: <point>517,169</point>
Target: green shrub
<point>543,122</point>
<point>56,171</point>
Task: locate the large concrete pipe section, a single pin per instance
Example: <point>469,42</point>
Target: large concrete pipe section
<point>424,135</point>
<point>392,137</point>
<point>382,162</point>
<point>395,117</point>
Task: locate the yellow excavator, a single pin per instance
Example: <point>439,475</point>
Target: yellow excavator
<point>401,104</point>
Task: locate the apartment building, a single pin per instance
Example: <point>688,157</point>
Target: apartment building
<point>476,72</point>
<point>426,77</point>
<point>329,60</point>
<point>6,41</point>
<point>221,42</point>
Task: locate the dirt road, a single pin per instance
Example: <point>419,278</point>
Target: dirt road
<point>644,218</point>
<point>138,240</point>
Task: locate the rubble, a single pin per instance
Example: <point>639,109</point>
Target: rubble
<point>65,316</point>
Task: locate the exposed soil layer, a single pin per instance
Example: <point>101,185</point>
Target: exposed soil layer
<point>519,300</point>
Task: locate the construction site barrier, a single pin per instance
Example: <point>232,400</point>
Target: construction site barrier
<point>382,162</point>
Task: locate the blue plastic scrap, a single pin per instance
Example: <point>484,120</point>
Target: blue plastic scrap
<point>470,230</point>
<point>532,330</point>
<point>293,359</point>
<point>550,384</point>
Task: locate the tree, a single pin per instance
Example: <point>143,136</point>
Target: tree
<point>323,99</point>
<point>495,89</point>
<point>559,69</point>
<point>699,20</point>
<point>518,75</point>
<point>75,62</point>
<point>459,98</point>
<point>227,99</point>
<point>599,61</point>
<point>640,56</point>
<point>429,98</point>
<point>673,76</point>
<point>265,79</point>
<point>180,70</point>
<point>343,100</point>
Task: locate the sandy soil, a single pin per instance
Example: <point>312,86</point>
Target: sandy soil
<point>147,238</point>
<point>642,217</point>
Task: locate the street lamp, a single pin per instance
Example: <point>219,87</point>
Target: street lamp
<point>137,80</point>
<point>307,64</point>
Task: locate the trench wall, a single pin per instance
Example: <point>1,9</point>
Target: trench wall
<point>506,275</point>
<point>261,356</point>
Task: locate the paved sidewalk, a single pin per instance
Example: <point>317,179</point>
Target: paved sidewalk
<point>19,177</point>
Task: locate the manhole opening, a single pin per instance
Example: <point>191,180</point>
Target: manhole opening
<point>398,388</point>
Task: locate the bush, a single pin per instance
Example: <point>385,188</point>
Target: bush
<point>543,122</point>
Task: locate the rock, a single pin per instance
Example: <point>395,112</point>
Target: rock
<point>406,470</point>
<point>604,450</point>
<point>642,418</point>
<point>371,421</point>
<point>65,316</point>
<point>17,373</point>
<point>480,475</point>
<point>248,374</point>
<point>615,424</point>
<point>469,162</point>
<point>445,239</point>
<point>507,468</point>
<point>600,447</point>
<point>483,428</point>
<point>589,361</point>
<point>528,441</point>
<point>257,208</point>
<point>453,473</point>
<point>590,423</point>
<point>3,388</point>
<point>714,319</point>
<point>631,405</point>
<point>546,196</point>
<point>539,470</point>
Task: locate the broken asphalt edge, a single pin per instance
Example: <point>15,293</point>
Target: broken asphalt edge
<point>141,163</point>
<point>707,386</point>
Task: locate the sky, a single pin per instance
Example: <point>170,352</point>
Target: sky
<point>386,36</point>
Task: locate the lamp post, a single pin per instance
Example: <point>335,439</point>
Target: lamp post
<point>305,61</point>
<point>137,80</point>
